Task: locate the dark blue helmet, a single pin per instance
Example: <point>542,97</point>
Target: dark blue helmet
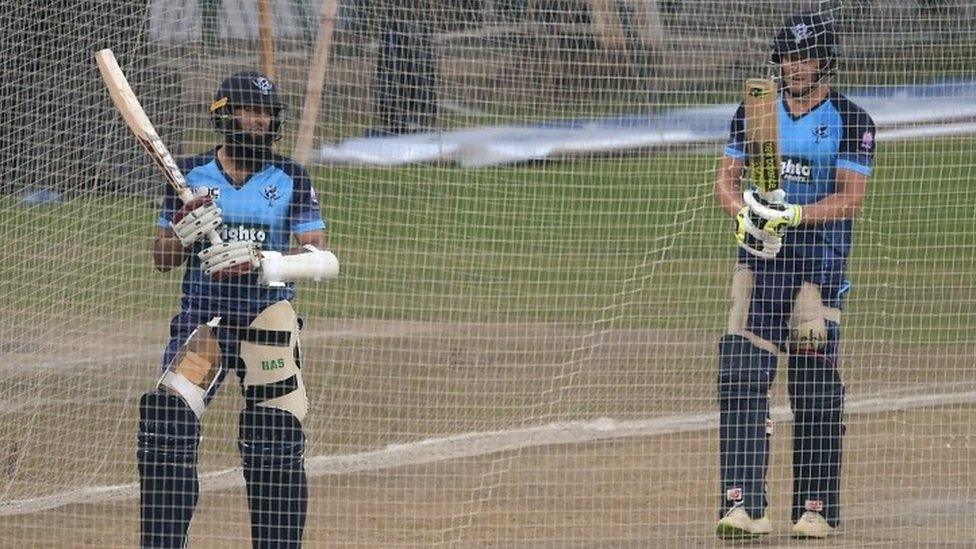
<point>808,36</point>
<point>248,88</point>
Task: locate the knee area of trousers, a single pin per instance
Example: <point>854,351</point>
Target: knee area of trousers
<point>270,438</point>
<point>744,369</point>
<point>817,377</point>
<point>167,427</point>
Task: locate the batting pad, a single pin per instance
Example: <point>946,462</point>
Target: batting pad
<point>194,369</point>
<point>272,377</point>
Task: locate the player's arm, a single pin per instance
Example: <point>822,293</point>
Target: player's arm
<point>855,162</point>
<point>167,250</point>
<point>728,187</point>
<point>316,239</point>
<point>176,232</point>
<point>728,182</point>
<point>844,203</point>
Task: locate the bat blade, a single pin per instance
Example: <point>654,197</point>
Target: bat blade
<point>762,132</point>
<point>135,117</point>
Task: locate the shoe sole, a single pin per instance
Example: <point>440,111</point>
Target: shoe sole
<point>733,533</point>
<point>804,535</point>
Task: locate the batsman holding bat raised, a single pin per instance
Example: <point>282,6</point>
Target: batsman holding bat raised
<point>236,315</point>
<point>788,287</point>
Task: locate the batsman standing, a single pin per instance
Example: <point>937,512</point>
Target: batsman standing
<point>236,315</point>
<point>789,285</point>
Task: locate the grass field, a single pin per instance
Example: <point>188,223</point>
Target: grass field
<point>557,242</point>
<point>493,299</point>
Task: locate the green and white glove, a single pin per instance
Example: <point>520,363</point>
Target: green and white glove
<point>752,236</point>
<point>773,208</point>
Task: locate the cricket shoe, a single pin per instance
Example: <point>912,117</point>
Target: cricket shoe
<point>738,525</point>
<point>812,525</point>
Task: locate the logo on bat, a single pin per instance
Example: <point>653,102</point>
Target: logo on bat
<point>758,91</point>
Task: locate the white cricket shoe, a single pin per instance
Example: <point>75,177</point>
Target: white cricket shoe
<point>812,525</point>
<point>738,525</point>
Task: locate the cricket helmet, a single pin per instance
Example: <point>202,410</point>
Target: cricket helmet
<point>247,88</point>
<point>808,36</point>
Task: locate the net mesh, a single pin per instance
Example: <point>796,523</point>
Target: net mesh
<point>521,347</point>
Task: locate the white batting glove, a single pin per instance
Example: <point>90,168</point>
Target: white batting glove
<point>778,213</point>
<point>229,259</point>
<point>195,219</point>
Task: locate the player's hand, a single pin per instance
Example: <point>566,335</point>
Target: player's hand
<point>229,259</point>
<point>752,236</point>
<point>774,209</point>
<point>195,219</point>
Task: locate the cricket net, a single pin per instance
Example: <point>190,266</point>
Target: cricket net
<point>520,350</point>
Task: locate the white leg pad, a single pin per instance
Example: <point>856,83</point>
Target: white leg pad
<point>269,362</point>
<point>194,369</point>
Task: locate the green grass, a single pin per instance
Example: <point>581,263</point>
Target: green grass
<point>632,242</point>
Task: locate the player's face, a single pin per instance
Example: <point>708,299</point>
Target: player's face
<point>800,75</point>
<point>253,118</point>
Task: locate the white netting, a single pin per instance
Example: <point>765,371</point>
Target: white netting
<point>521,348</point>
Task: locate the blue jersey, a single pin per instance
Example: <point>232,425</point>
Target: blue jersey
<point>836,134</point>
<point>276,202</point>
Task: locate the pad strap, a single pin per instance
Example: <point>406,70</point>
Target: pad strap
<point>274,338</point>
<point>256,394</point>
<point>191,393</point>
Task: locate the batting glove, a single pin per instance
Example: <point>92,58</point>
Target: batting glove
<point>751,235</point>
<point>195,219</point>
<point>229,259</point>
<point>774,209</point>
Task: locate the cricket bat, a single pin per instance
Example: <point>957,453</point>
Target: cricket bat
<point>266,33</point>
<point>762,133</point>
<point>128,106</point>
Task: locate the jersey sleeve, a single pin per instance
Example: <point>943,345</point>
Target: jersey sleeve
<point>857,143</point>
<point>305,214</point>
<point>736,146</point>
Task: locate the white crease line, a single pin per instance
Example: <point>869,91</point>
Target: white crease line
<point>478,444</point>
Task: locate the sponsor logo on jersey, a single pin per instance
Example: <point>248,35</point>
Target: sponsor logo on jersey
<point>257,234</point>
<point>795,170</point>
<point>867,141</point>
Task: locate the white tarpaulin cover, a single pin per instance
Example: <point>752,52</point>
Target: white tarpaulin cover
<point>902,112</point>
